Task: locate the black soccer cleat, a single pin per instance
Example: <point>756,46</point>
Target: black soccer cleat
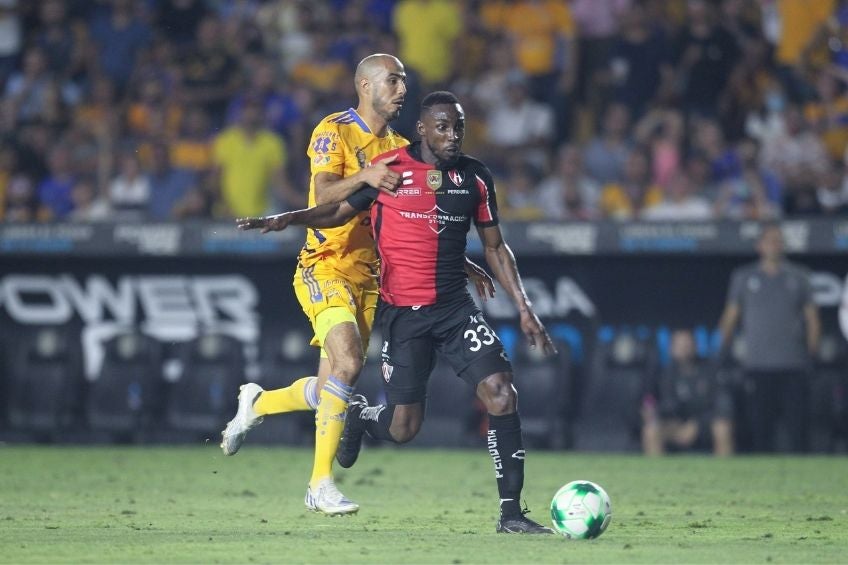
<point>354,428</point>
<point>521,524</point>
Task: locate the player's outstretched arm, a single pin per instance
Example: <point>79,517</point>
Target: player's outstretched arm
<point>323,216</point>
<point>330,187</point>
<point>502,262</point>
<point>482,281</point>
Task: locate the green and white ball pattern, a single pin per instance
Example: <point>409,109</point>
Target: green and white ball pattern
<point>581,510</point>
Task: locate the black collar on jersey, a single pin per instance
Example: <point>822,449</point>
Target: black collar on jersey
<point>414,150</point>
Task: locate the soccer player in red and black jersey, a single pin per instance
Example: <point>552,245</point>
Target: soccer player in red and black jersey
<point>425,308</point>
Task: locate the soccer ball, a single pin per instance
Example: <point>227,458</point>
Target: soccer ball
<point>581,510</point>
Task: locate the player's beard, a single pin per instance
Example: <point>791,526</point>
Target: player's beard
<point>381,108</point>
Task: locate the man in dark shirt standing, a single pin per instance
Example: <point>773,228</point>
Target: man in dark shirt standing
<point>425,308</point>
<point>780,329</point>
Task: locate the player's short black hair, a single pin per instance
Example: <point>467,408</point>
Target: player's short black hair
<point>436,98</point>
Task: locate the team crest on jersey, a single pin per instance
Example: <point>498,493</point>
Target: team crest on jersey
<point>360,157</point>
<point>387,371</point>
<point>434,180</point>
<point>456,177</point>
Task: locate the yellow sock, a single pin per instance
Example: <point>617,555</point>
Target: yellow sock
<point>329,423</point>
<point>300,395</point>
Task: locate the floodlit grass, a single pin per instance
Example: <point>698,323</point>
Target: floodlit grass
<point>166,505</point>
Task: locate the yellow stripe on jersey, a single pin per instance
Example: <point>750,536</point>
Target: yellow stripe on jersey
<point>342,144</point>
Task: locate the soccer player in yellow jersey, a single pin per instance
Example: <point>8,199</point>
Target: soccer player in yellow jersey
<point>336,277</point>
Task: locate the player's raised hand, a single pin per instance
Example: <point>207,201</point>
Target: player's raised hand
<point>278,222</point>
<point>381,177</point>
<point>536,333</point>
<point>482,281</point>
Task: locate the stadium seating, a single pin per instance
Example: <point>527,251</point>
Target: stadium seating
<point>610,413</point>
<point>124,399</point>
<point>44,382</point>
<point>202,395</point>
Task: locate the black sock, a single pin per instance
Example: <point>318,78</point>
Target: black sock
<point>507,451</point>
<point>377,421</point>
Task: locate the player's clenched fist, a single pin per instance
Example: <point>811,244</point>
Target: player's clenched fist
<point>278,222</point>
<point>381,177</point>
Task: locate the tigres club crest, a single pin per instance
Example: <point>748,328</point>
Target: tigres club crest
<point>434,180</point>
<point>455,177</point>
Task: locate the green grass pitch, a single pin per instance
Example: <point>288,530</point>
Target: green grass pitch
<point>191,504</point>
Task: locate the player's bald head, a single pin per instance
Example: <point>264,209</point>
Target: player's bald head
<point>372,66</point>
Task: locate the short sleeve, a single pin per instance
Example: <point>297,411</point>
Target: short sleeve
<point>325,151</point>
<point>363,198</point>
<point>737,288</point>
<point>486,214</point>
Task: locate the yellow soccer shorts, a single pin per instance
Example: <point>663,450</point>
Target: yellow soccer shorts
<point>329,299</point>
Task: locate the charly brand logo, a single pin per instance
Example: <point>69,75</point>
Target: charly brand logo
<point>172,308</point>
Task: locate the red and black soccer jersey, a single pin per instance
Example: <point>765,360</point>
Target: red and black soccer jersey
<point>421,234</point>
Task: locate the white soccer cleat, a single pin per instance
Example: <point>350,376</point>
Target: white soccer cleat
<point>245,420</point>
<point>329,500</point>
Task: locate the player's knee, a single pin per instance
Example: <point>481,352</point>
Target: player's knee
<point>346,368</point>
<point>405,426</point>
<point>498,395</point>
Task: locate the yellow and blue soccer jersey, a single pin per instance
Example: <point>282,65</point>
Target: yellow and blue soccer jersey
<point>343,144</point>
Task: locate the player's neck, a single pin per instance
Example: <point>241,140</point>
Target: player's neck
<point>375,123</point>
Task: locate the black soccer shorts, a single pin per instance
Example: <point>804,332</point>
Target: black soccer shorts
<point>414,335</point>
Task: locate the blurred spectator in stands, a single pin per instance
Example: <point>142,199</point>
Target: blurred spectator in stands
<point>197,203</point>
<point>688,407</point>
<point>210,73</point>
<point>832,192</point>
<point>799,158</point>
<point>251,159</point>
<point>152,104</point>
<point>119,34</point>
<point>568,193</point>
<point>34,142</point>
<point>426,31</point>
<point>192,149</point>
<point>54,191</point>
<point>178,20</point>
<point>705,55</point>
<point>755,194</point>
<point>661,131</point>
<point>682,201</point>
<point>89,206</point>
<point>519,198</point>
<point>625,199</point>
<point>319,71</point>
<point>28,92</point>
<point>11,38</point>
<point>543,38</point>
<point>20,204</point>
<point>8,168</point>
<point>751,85</point>
<point>790,26</point>
<point>639,62</point>
<point>98,110</point>
<point>708,140</point>
<point>606,153</point>
<point>597,23</point>
<point>168,186</point>
<point>65,42</point>
<point>282,114</point>
<point>285,29</point>
<point>129,191</point>
<point>780,328</point>
<point>160,61</point>
<point>827,114</point>
<point>518,125</point>
<point>740,18</point>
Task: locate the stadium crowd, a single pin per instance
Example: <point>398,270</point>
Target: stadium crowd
<point>653,109</point>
